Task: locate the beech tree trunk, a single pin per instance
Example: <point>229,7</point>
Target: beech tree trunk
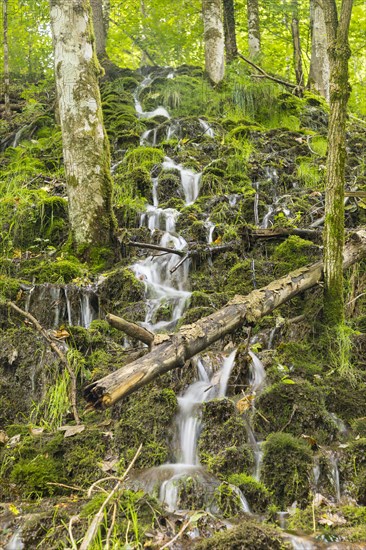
<point>99,27</point>
<point>295,32</point>
<point>85,144</point>
<point>214,40</point>
<point>339,54</point>
<point>319,63</point>
<point>175,349</point>
<point>6,60</point>
<point>231,48</point>
<point>254,35</point>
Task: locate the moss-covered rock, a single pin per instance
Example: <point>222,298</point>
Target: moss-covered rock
<point>245,536</point>
<point>297,408</point>
<point>287,462</point>
<point>255,492</point>
<point>222,444</point>
<point>119,289</point>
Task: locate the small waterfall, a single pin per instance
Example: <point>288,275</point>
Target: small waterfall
<point>258,373</point>
<point>190,179</point>
<point>225,373</point>
<point>208,131</point>
<point>15,543</point>
<point>256,203</point>
<point>299,543</point>
<point>316,473</point>
<point>272,335</point>
<point>257,450</point>
<point>252,269</point>
<point>333,459</point>
<point>243,500</point>
<point>159,111</point>
<point>267,217</point>
<point>210,226</point>
<point>87,314</point>
<point>68,306</point>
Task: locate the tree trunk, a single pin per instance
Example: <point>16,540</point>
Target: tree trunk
<point>319,63</point>
<point>254,36</point>
<point>296,43</point>
<point>177,348</point>
<point>339,53</point>
<point>6,61</point>
<point>231,48</point>
<point>214,40</point>
<point>99,29</point>
<point>85,144</point>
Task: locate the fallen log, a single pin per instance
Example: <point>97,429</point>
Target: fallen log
<point>131,329</point>
<point>278,232</point>
<point>176,349</point>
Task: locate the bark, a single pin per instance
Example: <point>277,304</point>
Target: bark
<point>131,329</point>
<point>214,40</point>
<point>85,144</point>
<point>319,63</point>
<point>99,27</point>
<point>339,54</point>
<point>295,32</point>
<point>6,61</point>
<point>254,35</point>
<point>231,48</point>
<point>177,348</point>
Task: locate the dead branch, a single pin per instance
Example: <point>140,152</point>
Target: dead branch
<point>176,349</point>
<point>266,75</point>
<point>57,350</point>
<point>131,329</point>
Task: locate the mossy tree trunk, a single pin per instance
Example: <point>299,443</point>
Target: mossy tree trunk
<point>254,35</point>
<point>85,144</point>
<point>339,54</point>
<point>231,48</point>
<point>296,43</point>
<point>6,60</point>
<point>214,40</point>
<point>100,31</point>
<point>319,73</point>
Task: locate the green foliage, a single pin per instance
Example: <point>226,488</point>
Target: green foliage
<point>309,174</point>
<point>35,475</point>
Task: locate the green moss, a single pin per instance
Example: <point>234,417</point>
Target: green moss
<point>294,252</point>
<point>146,417</point>
<point>119,289</point>
<point>296,408</point>
<point>34,476</point>
<point>257,494</point>
<point>222,444</point>
<point>228,500</point>
<point>287,462</point>
<point>248,535</point>
<point>59,271</point>
<point>145,157</point>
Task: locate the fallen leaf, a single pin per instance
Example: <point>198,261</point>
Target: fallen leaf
<point>109,465</point>
<point>3,437</point>
<point>245,403</point>
<point>13,442</point>
<point>72,430</point>
<point>60,334</point>
<point>36,431</point>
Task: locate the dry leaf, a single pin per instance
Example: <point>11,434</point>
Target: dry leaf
<point>60,334</point>
<point>72,430</point>
<point>13,442</point>
<point>109,465</point>
<point>3,437</point>
<point>245,403</point>
<point>36,431</point>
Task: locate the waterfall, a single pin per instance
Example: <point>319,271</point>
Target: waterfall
<point>257,372</point>
<point>190,179</point>
<point>333,459</point>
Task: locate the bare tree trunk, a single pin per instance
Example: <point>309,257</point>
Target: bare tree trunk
<point>319,63</point>
<point>100,34</point>
<point>176,349</point>
<point>231,48</point>
<point>296,43</point>
<point>85,144</point>
<point>6,61</point>
<point>339,54</point>
<point>254,35</point>
<point>214,40</point>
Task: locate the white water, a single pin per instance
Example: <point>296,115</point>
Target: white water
<point>225,373</point>
<point>299,543</point>
<point>257,371</point>
<point>208,131</point>
<point>333,459</point>
<point>190,179</point>
<point>15,543</point>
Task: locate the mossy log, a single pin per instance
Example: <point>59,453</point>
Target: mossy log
<point>131,329</point>
<point>175,349</point>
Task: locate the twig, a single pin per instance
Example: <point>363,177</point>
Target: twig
<point>157,247</point>
<point>109,534</point>
<point>177,535</point>
<point>266,75</point>
<point>72,540</point>
<point>57,350</point>
<point>354,299</point>
<point>93,527</point>
<point>181,262</point>
<point>294,409</point>
<point>66,486</point>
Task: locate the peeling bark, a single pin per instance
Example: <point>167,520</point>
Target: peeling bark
<point>254,35</point>
<point>176,349</point>
<point>319,64</point>
<point>214,40</point>
<point>85,144</point>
